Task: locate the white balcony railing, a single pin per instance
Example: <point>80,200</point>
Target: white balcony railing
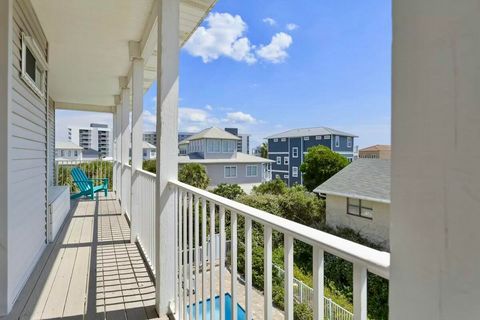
<point>191,232</point>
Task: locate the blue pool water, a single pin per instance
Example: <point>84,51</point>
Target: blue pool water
<point>228,309</point>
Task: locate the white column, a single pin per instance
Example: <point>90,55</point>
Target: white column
<point>5,96</point>
<point>114,148</point>
<point>435,209</point>
<point>137,142</point>
<point>125,111</point>
<point>118,151</point>
<point>167,150</point>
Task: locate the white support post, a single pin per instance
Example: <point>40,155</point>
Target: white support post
<point>125,111</point>
<point>359,292</point>
<point>137,143</point>
<point>318,283</point>
<point>167,150</point>
<point>118,147</point>
<point>114,148</point>
<point>5,98</point>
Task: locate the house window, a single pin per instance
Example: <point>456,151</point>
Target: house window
<point>318,137</point>
<point>361,208</point>
<point>230,171</point>
<point>349,142</point>
<point>337,141</point>
<point>252,170</point>
<point>277,176</point>
<point>214,145</point>
<point>295,172</point>
<point>75,153</point>
<point>279,160</point>
<point>285,160</point>
<point>275,140</point>
<point>34,66</point>
<point>144,154</point>
<point>69,153</point>
<point>295,152</point>
<point>306,138</point>
<point>326,137</point>
<point>285,176</point>
<point>283,139</point>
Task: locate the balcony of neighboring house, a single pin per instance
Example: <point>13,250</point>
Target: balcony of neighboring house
<point>154,246</point>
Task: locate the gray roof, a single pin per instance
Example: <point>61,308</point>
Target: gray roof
<point>367,179</point>
<point>240,158</point>
<point>146,145</point>
<point>67,145</point>
<point>303,132</point>
<point>213,133</point>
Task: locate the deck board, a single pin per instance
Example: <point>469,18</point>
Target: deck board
<point>92,271</point>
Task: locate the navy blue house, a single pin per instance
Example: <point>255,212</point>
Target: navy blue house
<point>288,148</point>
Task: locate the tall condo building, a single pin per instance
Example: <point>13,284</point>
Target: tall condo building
<point>243,145</point>
<point>96,137</point>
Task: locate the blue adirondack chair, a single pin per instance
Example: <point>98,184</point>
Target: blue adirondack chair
<point>86,185</point>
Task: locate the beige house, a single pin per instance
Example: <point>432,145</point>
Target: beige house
<point>358,197</point>
<point>378,151</point>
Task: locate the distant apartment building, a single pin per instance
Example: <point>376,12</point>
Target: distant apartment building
<point>96,137</point>
<point>243,145</point>
<point>216,149</point>
<point>151,136</point>
<point>378,151</point>
<point>287,149</point>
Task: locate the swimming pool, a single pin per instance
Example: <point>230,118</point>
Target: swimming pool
<point>228,309</point>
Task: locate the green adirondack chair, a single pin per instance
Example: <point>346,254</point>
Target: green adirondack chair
<point>86,185</point>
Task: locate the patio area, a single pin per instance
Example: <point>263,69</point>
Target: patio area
<point>91,271</point>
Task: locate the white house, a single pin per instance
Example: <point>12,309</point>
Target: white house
<point>69,55</point>
<point>149,151</point>
<point>66,150</point>
<point>358,197</point>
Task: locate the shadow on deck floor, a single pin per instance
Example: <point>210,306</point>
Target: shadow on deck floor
<point>91,271</point>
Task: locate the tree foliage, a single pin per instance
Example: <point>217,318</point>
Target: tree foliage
<point>150,166</point>
<point>194,174</point>
<point>319,165</point>
<point>229,191</point>
<point>264,150</point>
<point>275,187</point>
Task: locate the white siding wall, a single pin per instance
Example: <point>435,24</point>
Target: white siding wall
<point>376,229</point>
<point>28,155</point>
<point>51,144</point>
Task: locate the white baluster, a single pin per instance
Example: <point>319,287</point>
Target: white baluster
<point>212,260</point>
<point>222,262</point>
<point>197,251</point>
<point>248,267</point>
<point>318,285</point>
<point>359,292</point>
<point>190,253</point>
<point>233,222</point>
<point>184,249</point>
<point>288,262</point>
<point>267,260</point>
<point>204,258</point>
<point>181,307</point>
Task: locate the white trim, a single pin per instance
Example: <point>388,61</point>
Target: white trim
<point>229,177</point>
<point>350,195</point>
<point>295,172</point>
<point>282,171</point>
<point>251,166</point>
<point>306,138</point>
<point>30,43</point>
<point>286,161</point>
<point>279,152</point>
<point>337,141</point>
<point>293,152</point>
<point>283,139</point>
<point>278,160</point>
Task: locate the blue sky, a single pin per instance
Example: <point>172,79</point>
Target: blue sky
<point>269,66</point>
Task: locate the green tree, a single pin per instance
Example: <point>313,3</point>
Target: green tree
<point>276,187</point>
<point>229,191</point>
<point>150,165</point>
<point>264,150</point>
<point>319,165</point>
<point>194,174</point>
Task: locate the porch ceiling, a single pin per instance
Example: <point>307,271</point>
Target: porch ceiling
<point>88,44</point>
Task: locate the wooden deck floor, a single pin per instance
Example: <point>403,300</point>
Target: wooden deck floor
<point>92,271</point>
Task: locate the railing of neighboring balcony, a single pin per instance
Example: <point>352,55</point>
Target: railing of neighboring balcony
<point>198,212</point>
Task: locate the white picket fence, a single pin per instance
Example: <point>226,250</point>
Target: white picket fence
<point>304,294</point>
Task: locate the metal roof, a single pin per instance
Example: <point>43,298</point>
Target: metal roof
<point>303,132</point>
<point>367,179</point>
<point>213,133</point>
<point>67,145</point>
<point>240,158</point>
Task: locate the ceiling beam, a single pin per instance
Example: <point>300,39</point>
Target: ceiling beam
<point>83,107</point>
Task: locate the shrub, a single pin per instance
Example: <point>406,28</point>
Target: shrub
<point>276,187</point>
<point>229,191</point>
<point>302,311</point>
<point>150,166</point>
<point>194,174</point>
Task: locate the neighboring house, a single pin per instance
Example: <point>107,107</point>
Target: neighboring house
<point>216,149</point>
<point>378,151</point>
<point>96,137</point>
<point>358,197</point>
<point>149,151</point>
<point>66,150</point>
<point>287,149</point>
<point>243,145</point>
<point>151,136</point>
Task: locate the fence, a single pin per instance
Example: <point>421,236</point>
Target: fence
<point>93,169</point>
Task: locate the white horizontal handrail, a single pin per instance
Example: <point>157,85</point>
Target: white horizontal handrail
<point>375,261</point>
<point>146,173</point>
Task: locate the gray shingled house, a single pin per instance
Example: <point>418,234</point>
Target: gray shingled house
<point>358,197</point>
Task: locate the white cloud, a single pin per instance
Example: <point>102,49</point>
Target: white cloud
<point>223,36</point>
<point>275,51</point>
<point>241,117</point>
<point>192,114</point>
<point>209,107</point>
<point>269,21</point>
<point>291,26</point>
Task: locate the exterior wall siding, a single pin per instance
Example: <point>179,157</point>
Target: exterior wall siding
<point>28,155</point>
<point>376,229</point>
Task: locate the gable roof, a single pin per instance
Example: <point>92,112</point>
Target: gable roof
<point>367,179</point>
<point>378,147</point>
<point>147,145</point>
<point>67,145</point>
<point>240,158</point>
<point>303,132</point>
<point>213,133</point>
